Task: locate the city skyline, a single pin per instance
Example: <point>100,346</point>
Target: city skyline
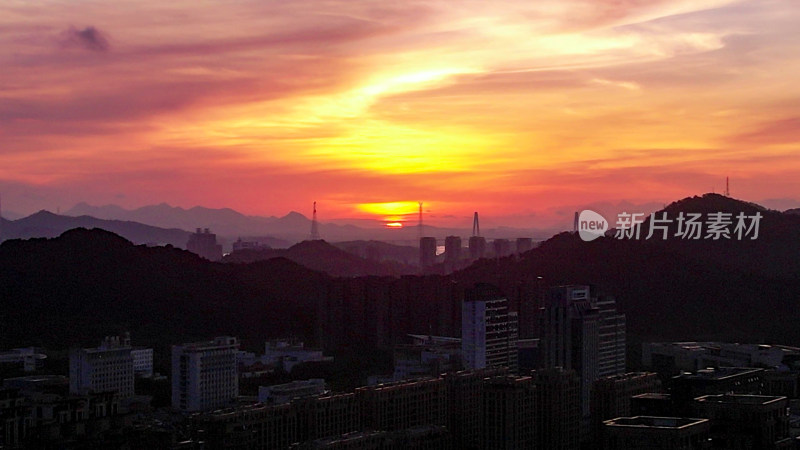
<point>521,112</point>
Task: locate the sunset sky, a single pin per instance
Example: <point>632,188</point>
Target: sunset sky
<point>520,110</point>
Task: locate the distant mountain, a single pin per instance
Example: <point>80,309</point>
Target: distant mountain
<point>323,257</point>
<point>293,227</point>
<point>11,215</point>
<point>47,224</point>
<point>226,223</point>
<point>86,284</point>
<point>223,221</point>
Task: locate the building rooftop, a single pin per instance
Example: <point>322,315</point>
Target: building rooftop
<point>739,399</point>
<point>719,373</point>
<point>218,342</point>
<point>653,396</point>
<point>654,422</point>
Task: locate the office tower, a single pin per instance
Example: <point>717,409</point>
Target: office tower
<point>509,413</point>
<point>108,367</point>
<point>204,243</point>
<point>746,421</point>
<point>570,336</point>
<point>477,247</point>
<point>452,249</point>
<point>524,244</point>
<point>611,397</point>
<point>611,359</point>
<point>488,329</point>
<point>204,374</point>
<point>427,251</point>
<point>656,433</point>
<point>558,400</point>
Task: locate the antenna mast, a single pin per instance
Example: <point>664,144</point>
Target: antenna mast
<point>419,224</point>
<point>314,226</point>
<point>727,187</point>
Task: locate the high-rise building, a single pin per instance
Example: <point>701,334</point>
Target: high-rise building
<point>465,392</point>
<point>477,247</point>
<point>106,368</point>
<point>582,333</point>
<point>452,249</point>
<point>509,413</point>
<point>524,244</point>
<point>204,243</point>
<point>570,336</point>
<point>488,329</point>
<point>427,251</point>
<point>204,374</point>
<point>612,345</point>
<point>558,399</point>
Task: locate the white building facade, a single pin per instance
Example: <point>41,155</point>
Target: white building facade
<point>108,367</point>
<point>204,374</point>
<point>142,362</point>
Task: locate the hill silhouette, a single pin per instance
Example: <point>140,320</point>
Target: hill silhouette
<point>90,283</point>
<point>47,224</point>
<point>677,289</point>
<point>324,257</point>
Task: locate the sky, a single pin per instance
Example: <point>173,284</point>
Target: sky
<point>521,110</point>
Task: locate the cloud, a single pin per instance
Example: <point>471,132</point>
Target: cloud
<point>89,38</point>
<point>779,131</point>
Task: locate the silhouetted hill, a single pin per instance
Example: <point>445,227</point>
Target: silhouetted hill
<point>86,284</point>
<point>794,211</point>
<point>321,256</point>
<point>679,289</point>
<point>47,224</point>
<point>89,283</point>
